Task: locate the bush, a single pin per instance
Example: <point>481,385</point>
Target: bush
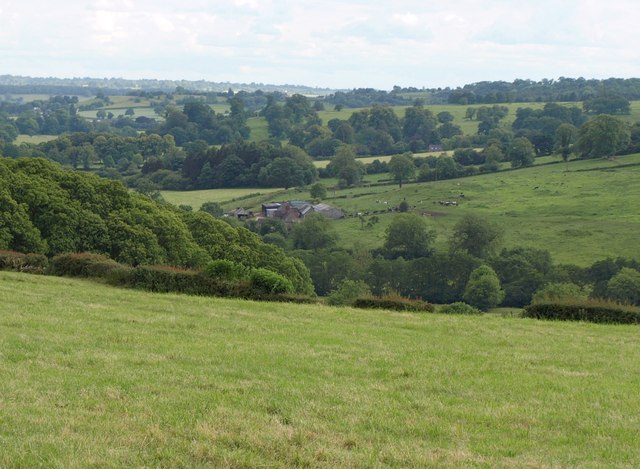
<point>84,264</point>
<point>591,311</point>
<point>20,262</point>
<point>560,292</point>
<point>483,289</point>
<point>226,269</point>
<point>459,308</point>
<point>165,279</point>
<point>348,292</point>
<point>263,281</point>
<point>395,303</point>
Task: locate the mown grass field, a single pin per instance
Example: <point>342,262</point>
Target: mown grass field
<point>95,376</point>
<point>196,198</point>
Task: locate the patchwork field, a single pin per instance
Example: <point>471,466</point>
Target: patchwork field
<point>96,376</point>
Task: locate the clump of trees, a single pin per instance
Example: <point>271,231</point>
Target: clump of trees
<point>47,210</point>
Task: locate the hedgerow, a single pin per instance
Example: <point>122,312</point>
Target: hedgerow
<point>598,312</point>
<point>20,262</point>
<point>395,303</point>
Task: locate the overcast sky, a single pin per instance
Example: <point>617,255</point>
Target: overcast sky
<point>325,43</point>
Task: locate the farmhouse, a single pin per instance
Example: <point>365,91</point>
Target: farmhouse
<point>240,214</point>
<point>295,210</point>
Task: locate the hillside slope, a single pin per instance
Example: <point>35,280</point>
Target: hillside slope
<point>98,376</point>
<point>583,212</point>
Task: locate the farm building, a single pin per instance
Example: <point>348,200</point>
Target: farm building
<point>240,214</point>
<point>295,210</point>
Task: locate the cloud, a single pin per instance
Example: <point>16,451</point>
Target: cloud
<point>337,43</point>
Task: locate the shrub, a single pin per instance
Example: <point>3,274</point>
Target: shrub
<point>560,292</point>
<point>625,286</point>
<point>591,311</point>
<point>84,264</point>
<point>263,281</point>
<point>348,292</point>
<point>459,308</point>
<point>226,269</point>
<point>165,279</point>
<point>483,289</point>
<point>20,262</point>
<point>395,303</point>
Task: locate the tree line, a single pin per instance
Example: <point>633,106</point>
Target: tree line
<point>474,268</point>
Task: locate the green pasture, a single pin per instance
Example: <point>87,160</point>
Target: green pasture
<point>138,111</point>
<point>196,198</point>
<point>34,139</point>
<point>27,98</point>
<point>94,376</point>
<point>259,129</point>
<point>581,212</point>
<point>383,158</point>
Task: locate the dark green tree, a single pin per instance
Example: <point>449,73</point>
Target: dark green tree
<point>314,232</point>
<point>483,289</point>
<point>565,137</point>
<point>408,236</point>
<point>521,152</point>
<point>476,236</point>
<point>625,286</point>
<point>402,167</point>
<point>318,191</point>
<point>602,136</point>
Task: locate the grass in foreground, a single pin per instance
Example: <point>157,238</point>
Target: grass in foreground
<point>99,376</point>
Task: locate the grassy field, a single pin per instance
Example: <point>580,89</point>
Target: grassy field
<point>34,139</point>
<point>587,213</point>
<point>580,212</point>
<point>196,198</point>
<point>98,377</point>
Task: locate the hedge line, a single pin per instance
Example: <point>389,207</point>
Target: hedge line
<point>603,314</point>
<point>19,262</point>
<point>259,284</point>
<point>393,303</point>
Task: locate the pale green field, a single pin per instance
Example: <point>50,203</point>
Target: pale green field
<point>259,129</point>
<point>94,376</point>
<point>382,158</point>
<point>138,111</point>
<point>196,198</point>
<point>34,139</point>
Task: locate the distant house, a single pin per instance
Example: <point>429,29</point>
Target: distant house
<point>240,214</point>
<point>268,210</point>
<point>328,211</point>
<point>435,147</point>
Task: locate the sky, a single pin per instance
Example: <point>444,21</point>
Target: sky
<point>324,43</point>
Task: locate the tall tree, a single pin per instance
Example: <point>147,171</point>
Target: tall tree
<point>476,236</point>
<point>402,167</point>
<point>521,152</point>
<point>408,236</point>
<point>603,135</point>
<point>565,137</point>
<point>483,289</point>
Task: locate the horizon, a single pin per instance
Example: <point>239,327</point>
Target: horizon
<point>300,85</point>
